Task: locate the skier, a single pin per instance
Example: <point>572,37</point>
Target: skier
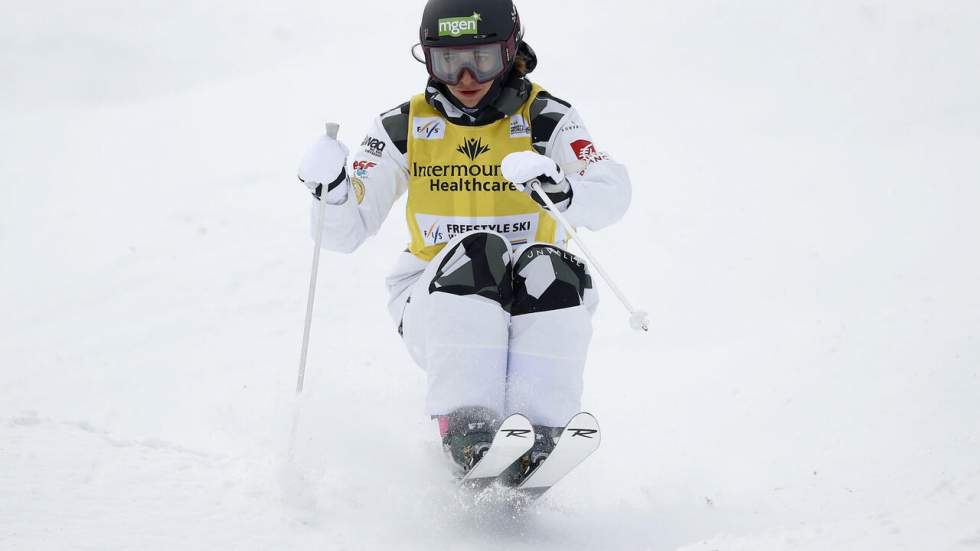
<point>488,301</point>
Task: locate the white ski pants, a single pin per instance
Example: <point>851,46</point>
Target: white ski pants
<point>500,329</point>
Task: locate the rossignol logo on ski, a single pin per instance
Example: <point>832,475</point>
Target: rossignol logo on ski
<point>473,148</point>
<point>518,433</point>
<point>582,433</point>
<point>459,26</point>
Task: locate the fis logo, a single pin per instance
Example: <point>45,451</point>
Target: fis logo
<point>433,234</point>
<point>429,128</point>
<point>473,148</point>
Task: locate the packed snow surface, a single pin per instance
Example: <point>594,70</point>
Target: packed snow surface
<point>804,233</point>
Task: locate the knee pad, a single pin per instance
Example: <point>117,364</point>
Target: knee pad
<point>478,265</point>
<point>548,278</point>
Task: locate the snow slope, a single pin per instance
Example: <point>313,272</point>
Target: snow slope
<point>804,224</point>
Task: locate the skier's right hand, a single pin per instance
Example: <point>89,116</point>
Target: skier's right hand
<point>323,165</point>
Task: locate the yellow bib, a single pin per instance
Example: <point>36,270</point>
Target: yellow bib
<point>455,184</point>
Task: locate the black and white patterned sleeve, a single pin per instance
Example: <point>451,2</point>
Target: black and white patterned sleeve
<point>378,174</point>
<point>601,189</point>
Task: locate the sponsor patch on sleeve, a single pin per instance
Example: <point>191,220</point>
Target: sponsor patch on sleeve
<point>586,151</point>
<point>373,145</point>
<point>358,186</point>
<point>361,168</point>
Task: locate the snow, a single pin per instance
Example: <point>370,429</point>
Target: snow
<point>803,234</point>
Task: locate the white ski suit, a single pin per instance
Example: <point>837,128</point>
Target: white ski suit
<point>495,318</point>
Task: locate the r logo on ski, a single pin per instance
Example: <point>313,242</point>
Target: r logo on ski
<point>520,433</point>
<point>583,433</point>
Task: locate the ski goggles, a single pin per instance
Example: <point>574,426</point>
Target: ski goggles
<point>485,62</point>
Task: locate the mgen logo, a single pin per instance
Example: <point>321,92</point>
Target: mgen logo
<point>458,26</point>
<point>473,148</point>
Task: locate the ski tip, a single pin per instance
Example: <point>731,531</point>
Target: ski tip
<point>515,420</point>
<point>584,425</point>
<point>584,415</point>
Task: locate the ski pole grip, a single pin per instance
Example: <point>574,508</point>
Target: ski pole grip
<point>332,129</point>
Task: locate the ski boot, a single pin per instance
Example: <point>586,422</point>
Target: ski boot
<point>545,439</point>
<point>466,434</point>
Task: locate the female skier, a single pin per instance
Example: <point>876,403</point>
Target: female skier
<point>487,299</point>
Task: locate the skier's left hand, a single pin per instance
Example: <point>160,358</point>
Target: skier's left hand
<point>523,166</point>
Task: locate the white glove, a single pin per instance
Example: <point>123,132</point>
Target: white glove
<point>524,166</point>
<point>324,163</point>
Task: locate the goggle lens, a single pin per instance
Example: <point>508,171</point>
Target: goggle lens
<point>485,62</point>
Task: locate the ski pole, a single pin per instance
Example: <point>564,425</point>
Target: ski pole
<point>332,129</point>
<point>638,318</point>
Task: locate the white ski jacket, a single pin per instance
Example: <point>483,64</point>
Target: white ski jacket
<point>355,210</point>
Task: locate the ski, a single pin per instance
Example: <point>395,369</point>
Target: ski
<point>578,440</point>
<point>512,440</point>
